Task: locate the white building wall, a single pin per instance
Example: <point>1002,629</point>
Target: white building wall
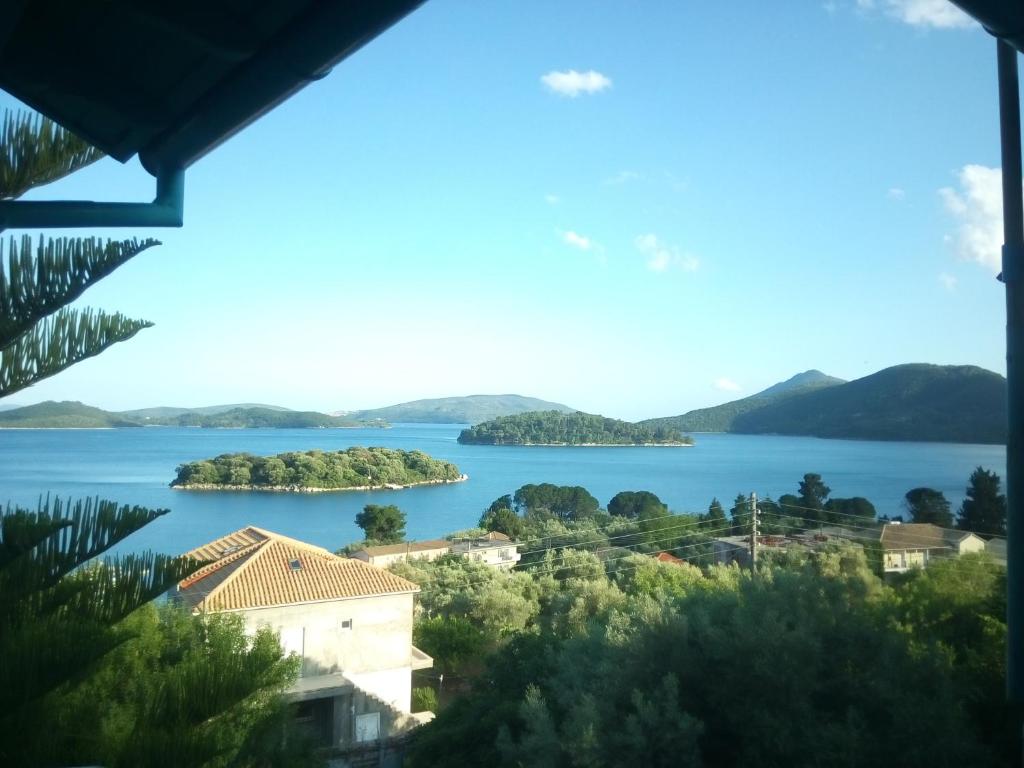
<point>503,556</point>
<point>365,638</point>
<point>392,686</point>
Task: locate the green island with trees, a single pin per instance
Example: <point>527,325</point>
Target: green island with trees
<point>354,468</point>
<point>592,652</point>
<point>557,428</point>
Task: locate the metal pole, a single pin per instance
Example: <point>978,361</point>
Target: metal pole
<point>1013,266</point>
<point>753,531</point>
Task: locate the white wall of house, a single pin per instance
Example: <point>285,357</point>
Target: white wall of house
<point>392,686</point>
<point>366,638</point>
<point>503,556</point>
<point>969,544</point>
<point>383,561</point>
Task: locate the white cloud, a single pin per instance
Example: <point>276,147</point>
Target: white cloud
<point>978,208</point>
<point>552,199</point>
<point>896,193</point>
<point>622,177</point>
<point>948,281</point>
<point>661,256</point>
<point>573,83</point>
<point>577,240</point>
<point>940,14</point>
<point>726,385</point>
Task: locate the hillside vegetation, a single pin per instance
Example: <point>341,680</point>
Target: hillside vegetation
<point>946,403</point>
<point>555,428</point>
<point>720,418</point>
<point>67,414</point>
<point>317,470</point>
<point>471,409</point>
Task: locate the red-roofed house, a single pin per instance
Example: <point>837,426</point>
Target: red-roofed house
<point>349,621</point>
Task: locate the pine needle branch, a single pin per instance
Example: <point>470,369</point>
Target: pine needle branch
<point>59,342</point>
<point>35,151</point>
<point>61,271</point>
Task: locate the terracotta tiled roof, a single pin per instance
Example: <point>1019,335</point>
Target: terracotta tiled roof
<point>665,557</point>
<point>409,546</point>
<point>255,568</point>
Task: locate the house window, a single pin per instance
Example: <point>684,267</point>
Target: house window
<point>368,726</point>
<point>345,624</point>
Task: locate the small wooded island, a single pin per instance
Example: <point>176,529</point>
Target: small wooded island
<point>354,469</point>
<point>556,428</point>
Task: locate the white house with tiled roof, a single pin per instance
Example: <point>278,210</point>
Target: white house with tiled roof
<point>349,621</point>
<point>914,545</point>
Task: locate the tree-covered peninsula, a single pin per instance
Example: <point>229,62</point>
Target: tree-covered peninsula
<point>555,428</point>
<point>352,469</point>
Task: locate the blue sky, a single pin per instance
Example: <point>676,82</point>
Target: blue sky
<point>634,209</point>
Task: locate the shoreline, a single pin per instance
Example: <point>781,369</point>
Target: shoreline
<point>302,489</point>
<point>584,445</point>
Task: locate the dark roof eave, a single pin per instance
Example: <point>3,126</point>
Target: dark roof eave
<point>1001,18</point>
<point>305,52</point>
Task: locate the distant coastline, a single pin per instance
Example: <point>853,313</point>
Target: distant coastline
<point>588,445</point>
<point>309,489</point>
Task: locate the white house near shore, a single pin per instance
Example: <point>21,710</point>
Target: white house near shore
<point>349,622</point>
<point>910,545</point>
<point>494,549</point>
<point>383,555</point>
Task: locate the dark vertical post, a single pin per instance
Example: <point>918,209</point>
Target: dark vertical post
<point>753,531</point>
<point>1013,267</point>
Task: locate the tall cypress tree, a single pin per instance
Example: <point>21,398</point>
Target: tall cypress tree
<point>984,509</point>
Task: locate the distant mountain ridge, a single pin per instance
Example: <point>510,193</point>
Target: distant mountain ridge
<point>917,401</point>
<point>167,412</point>
<point>75,415</point>
<point>67,414</point>
<point>471,409</point>
<point>912,402</point>
<point>720,418</point>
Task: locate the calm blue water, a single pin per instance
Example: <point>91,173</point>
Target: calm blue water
<point>135,465</point>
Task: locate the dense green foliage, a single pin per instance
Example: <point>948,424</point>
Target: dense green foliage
<point>472,409</point>
<point>984,509</point>
<point>563,502</point>
<point>960,404</point>
<point>720,418</point>
<point>813,661</point>
<point>632,504</point>
<point>556,428</point>
<point>50,414</point>
<point>352,468</point>
<point>141,705</point>
<point>926,505</point>
<point>382,524</point>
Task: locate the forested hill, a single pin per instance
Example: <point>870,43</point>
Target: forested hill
<point>557,428</point>
<point>720,418</point>
<point>67,414</point>
<point>262,418</point>
<point>471,409</point>
<point>317,470</point>
<point>942,403</point>
<point>164,412</point>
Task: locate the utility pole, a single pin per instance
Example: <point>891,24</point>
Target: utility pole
<point>753,531</point>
